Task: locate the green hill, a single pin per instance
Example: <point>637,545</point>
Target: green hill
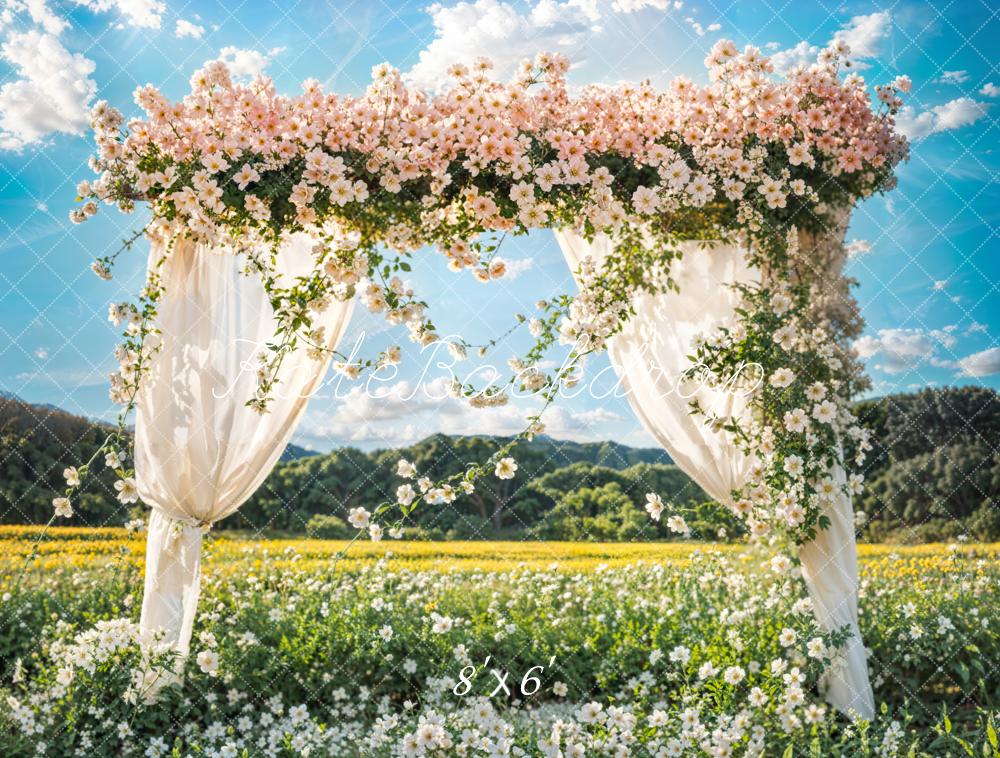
<point>934,474</point>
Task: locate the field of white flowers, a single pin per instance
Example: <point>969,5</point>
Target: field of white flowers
<point>701,653</point>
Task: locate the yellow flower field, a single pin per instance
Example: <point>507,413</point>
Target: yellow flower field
<point>80,547</point>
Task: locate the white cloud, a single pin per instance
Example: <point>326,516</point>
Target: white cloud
<point>906,349</point>
<point>42,15</point>
<point>802,54</point>
<point>517,267</point>
<point>865,34</point>
<point>402,413</point>
<point>953,77</point>
<point>185,28</point>
<point>857,248</point>
<point>247,63</point>
<point>990,90</point>
<point>958,113</point>
<point>954,114</point>
<point>631,6</point>
<point>507,31</point>
<point>147,14</point>
<point>944,336</point>
<point>51,92</point>
<point>983,363</point>
<point>468,30</point>
<point>900,349</point>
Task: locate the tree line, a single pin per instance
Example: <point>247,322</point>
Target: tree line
<point>934,474</point>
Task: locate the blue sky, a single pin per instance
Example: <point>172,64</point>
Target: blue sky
<point>927,261</point>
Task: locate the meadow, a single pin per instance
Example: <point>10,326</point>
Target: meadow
<point>479,648</point>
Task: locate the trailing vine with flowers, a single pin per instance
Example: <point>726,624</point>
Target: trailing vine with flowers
<point>772,165</point>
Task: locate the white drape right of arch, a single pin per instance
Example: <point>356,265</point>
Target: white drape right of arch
<point>650,357</point>
<point>200,452</point>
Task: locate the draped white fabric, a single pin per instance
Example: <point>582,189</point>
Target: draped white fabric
<point>650,357</point>
<point>200,452</point>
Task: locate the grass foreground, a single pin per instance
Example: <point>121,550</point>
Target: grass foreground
<point>397,649</point>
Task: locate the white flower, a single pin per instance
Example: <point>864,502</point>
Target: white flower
<point>680,654</point>
<point>358,517</point>
<point>855,484</point>
<point>208,661</point>
<point>678,525</point>
<point>816,391</point>
<point>385,633</point>
<point>560,689</point>
<point>405,494</point>
<point>796,420</point>
<point>113,459</point>
<point>63,507</point>
<point>787,637</point>
<point>780,303</point>
<point>128,492</point>
<point>825,412</point>
<point>814,713</point>
<point>782,378</point>
<point>785,337</point>
<point>757,697</point>
<point>816,647</point>
<point>780,564</point>
<point>442,624</point>
<point>733,675</point>
<point>590,712</point>
<point>72,476</point>
<point>405,469</point>
<point>793,465</point>
<point>707,670</point>
<point>654,505</point>
<point>506,468</point>
<point>375,532</point>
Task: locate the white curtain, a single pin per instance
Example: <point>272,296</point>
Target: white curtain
<point>650,357</point>
<point>200,452</point>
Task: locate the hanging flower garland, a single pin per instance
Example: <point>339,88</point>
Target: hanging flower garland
<point>375,179</point>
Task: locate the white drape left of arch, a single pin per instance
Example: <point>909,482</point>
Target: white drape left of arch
<point>200,451</point>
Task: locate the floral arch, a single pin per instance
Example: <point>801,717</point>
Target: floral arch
<point>271,215</point>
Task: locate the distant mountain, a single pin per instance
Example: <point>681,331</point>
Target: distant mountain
<point>4,395</point>
<point>293,452</point>
<point>612,455</point>
<point>934,474</point>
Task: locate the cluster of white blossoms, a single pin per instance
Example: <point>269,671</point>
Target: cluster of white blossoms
<point>594,314</point>
<point>114,458</point>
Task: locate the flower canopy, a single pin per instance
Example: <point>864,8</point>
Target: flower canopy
<point>773,165</point>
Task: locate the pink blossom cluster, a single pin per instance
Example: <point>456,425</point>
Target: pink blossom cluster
<point>407,168</point>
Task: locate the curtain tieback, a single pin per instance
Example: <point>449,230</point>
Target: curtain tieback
<point>183,539</point>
